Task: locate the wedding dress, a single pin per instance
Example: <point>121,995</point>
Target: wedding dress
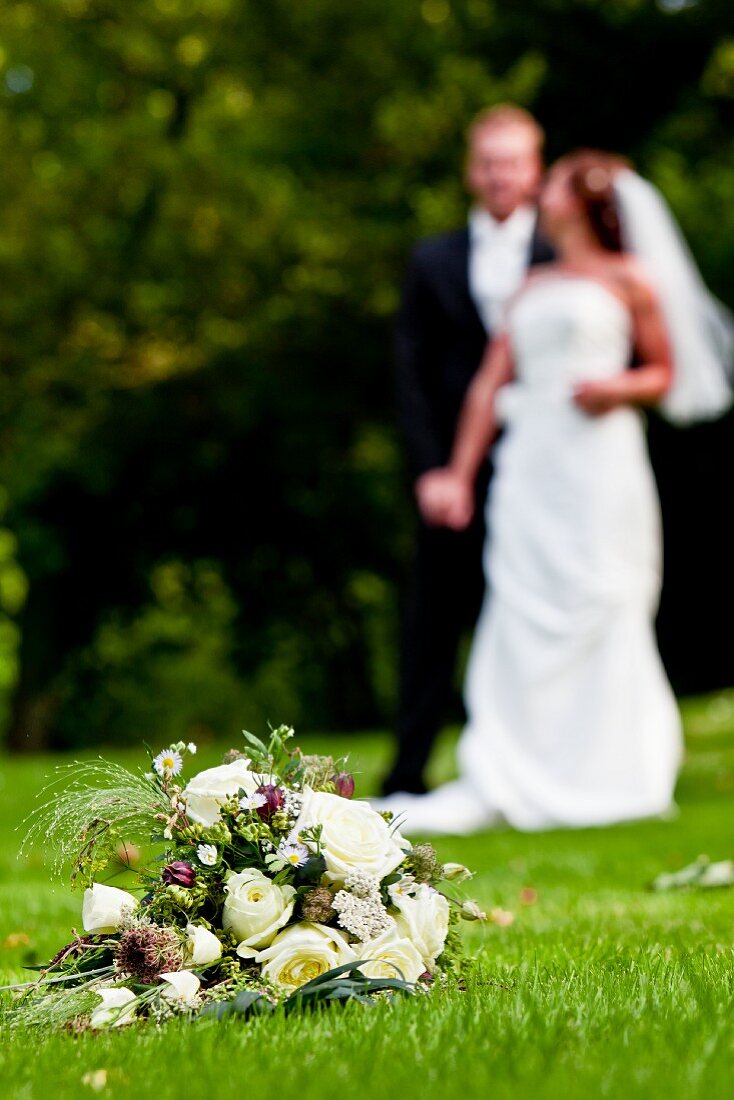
<point>571,721</point>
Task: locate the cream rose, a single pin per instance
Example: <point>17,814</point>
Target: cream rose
<point>391,955</point>
<point>115,1007</point>
<point>104,907</point>
<point>424,920</point>
<point>255,909</point>
<point>353,836</point>
<point>304,952</point>
<point>207,791</point>
<point>202,946</point>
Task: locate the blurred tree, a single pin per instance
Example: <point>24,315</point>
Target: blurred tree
<point>204,212</point>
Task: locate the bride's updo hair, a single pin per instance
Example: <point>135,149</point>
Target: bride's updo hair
<point>591,178</point>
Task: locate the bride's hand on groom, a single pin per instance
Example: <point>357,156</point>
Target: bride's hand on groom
<point>600,396</point>
<point>445,499</point>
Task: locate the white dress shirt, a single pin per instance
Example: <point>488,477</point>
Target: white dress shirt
<point>498,260</point>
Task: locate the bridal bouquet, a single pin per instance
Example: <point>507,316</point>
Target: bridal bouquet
<point>256,883</point>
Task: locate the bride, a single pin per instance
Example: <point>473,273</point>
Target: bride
<point>571,721</point>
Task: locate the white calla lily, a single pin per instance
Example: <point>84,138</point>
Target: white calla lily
<point>115,1007</point>
<point>202,946</point>
<point>104,907</point>
<point>181,986</point>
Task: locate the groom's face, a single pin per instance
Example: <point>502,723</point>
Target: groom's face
<point>503,168</point>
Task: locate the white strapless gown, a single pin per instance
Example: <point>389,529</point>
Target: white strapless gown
<point>571,719</point>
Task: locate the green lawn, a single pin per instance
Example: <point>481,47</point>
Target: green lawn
<point>600,988</point>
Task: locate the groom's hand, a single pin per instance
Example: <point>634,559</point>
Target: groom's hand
<point>599,397</point>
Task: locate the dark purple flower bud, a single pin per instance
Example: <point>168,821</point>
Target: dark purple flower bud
<point>343,784</point>
<point>274,800</point>
<point>179,874</point>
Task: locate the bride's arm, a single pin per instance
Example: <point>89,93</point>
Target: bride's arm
<point>646,383</point>
<point>448,494</point>
<point>477,425</point>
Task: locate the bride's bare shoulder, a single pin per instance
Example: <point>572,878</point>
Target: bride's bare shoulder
<point>537,274</point>
<point>632,274</point>
<point>541,271</point>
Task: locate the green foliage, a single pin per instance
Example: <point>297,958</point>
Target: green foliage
<point>101,805</point>
<point>205,209</point>
<point>13,588</point>
<point>167,667</point>
<point>342,985</point>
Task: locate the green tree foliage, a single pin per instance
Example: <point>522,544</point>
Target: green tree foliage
<point>205,207</point>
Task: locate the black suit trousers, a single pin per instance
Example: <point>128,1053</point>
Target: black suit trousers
<point>443,599</point>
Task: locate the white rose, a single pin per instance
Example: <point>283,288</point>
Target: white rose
<point>202,946</point>
<point>115,1008</point>
<point>424,919</point>
<point>104,907</point>
<point>304,952</point>
<point>181,986</point>
<point>353,835</point>
<point>255,908</point>
<point>206,792</point>
<point>392,955</point>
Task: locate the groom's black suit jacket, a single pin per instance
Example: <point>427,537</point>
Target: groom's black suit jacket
<point>440,341</point>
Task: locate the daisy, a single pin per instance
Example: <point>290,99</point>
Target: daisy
<point>168,763</point>
<point>207,854</point>
<point>293,853</point>
<point>253,801</point>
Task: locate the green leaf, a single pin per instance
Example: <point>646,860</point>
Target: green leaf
<point>250,1003</point>
<point>311,871</point>
<point>216,1011</point>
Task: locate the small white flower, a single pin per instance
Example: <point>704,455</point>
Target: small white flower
<point>168,763</point>
<point>253,801</point>
<point>191,747</point>
<point>365,917</point>
<point>471,911</point>
<point>208,854</point>
<point>168,833</point>
<point>362,884</point>
<point>293,852</point>
<point>456,872</point>
<point>404,887</point>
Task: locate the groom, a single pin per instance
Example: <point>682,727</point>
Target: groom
<point>455,291</point>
